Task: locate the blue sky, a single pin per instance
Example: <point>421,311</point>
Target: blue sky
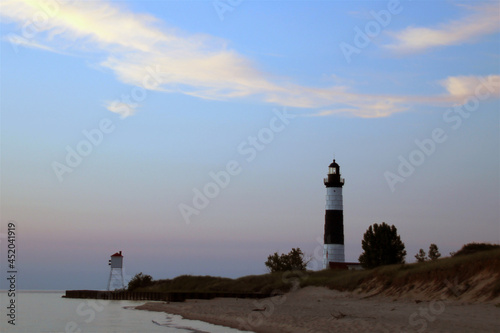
<point>172,92</point>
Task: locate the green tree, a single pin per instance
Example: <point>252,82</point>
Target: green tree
<point>420,256</point>
<point>434,252</point>
<point>382,246</point>
<point>140,281</point>
<point>293,261</point>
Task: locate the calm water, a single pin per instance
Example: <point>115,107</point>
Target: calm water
<point>38,312</point>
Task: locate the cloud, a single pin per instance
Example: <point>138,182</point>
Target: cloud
<point>122,108</point>
<point>17,41</point>
<point>483,20</point>
<point>458,91</point>
<point>380,109</point>
<point>141,51</point>
<point>461,88</point>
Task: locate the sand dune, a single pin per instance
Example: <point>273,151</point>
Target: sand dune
<point>478,288</point>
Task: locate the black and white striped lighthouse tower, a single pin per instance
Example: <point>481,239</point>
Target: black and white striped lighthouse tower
<point>333,250</point>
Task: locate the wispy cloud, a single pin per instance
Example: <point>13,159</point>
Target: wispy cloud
<point>31,44</point>
<point>141,51</point>
<point>123,109</point>
<point>457,91</point>
<point>483,20</point>
<point>380,109</point>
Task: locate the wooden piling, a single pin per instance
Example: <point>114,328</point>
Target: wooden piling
<point>155,296</point>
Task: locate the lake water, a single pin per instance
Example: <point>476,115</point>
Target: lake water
<point>40,312</point>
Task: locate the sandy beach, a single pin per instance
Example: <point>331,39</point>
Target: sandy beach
<point>318,309</point>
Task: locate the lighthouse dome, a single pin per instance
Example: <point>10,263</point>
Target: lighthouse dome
<point>333,165</point>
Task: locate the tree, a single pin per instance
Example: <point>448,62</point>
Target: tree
<point>292,261</point>
<point>420,256</point>
<point>434,252</point>
<point>382,246</point>
<point>140,281</point>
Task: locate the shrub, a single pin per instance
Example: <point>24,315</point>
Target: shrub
<point>421,256</point>
<point>293,261</point>
<point>434,252</point>
<point>140,281</point>
<point>475,247</point>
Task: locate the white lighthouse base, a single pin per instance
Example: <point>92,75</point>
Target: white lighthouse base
<point>333,253</point>
<point>116,280</point>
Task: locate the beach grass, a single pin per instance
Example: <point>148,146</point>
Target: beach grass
<point>455,270</point>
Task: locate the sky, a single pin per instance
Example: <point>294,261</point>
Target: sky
<point>194,136</point>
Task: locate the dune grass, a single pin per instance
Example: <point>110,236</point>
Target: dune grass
<point>456,269</point>
<point>265,283</point>
<point>453,270</point>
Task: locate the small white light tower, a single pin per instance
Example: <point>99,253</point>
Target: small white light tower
<point>115,280</point>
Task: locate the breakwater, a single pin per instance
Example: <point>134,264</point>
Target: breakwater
<point>156,296</point>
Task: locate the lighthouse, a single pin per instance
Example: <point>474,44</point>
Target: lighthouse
<point>115,280</point>
<point>333,248</point>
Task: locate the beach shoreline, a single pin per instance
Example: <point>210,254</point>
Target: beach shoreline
<point>318,309</point>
